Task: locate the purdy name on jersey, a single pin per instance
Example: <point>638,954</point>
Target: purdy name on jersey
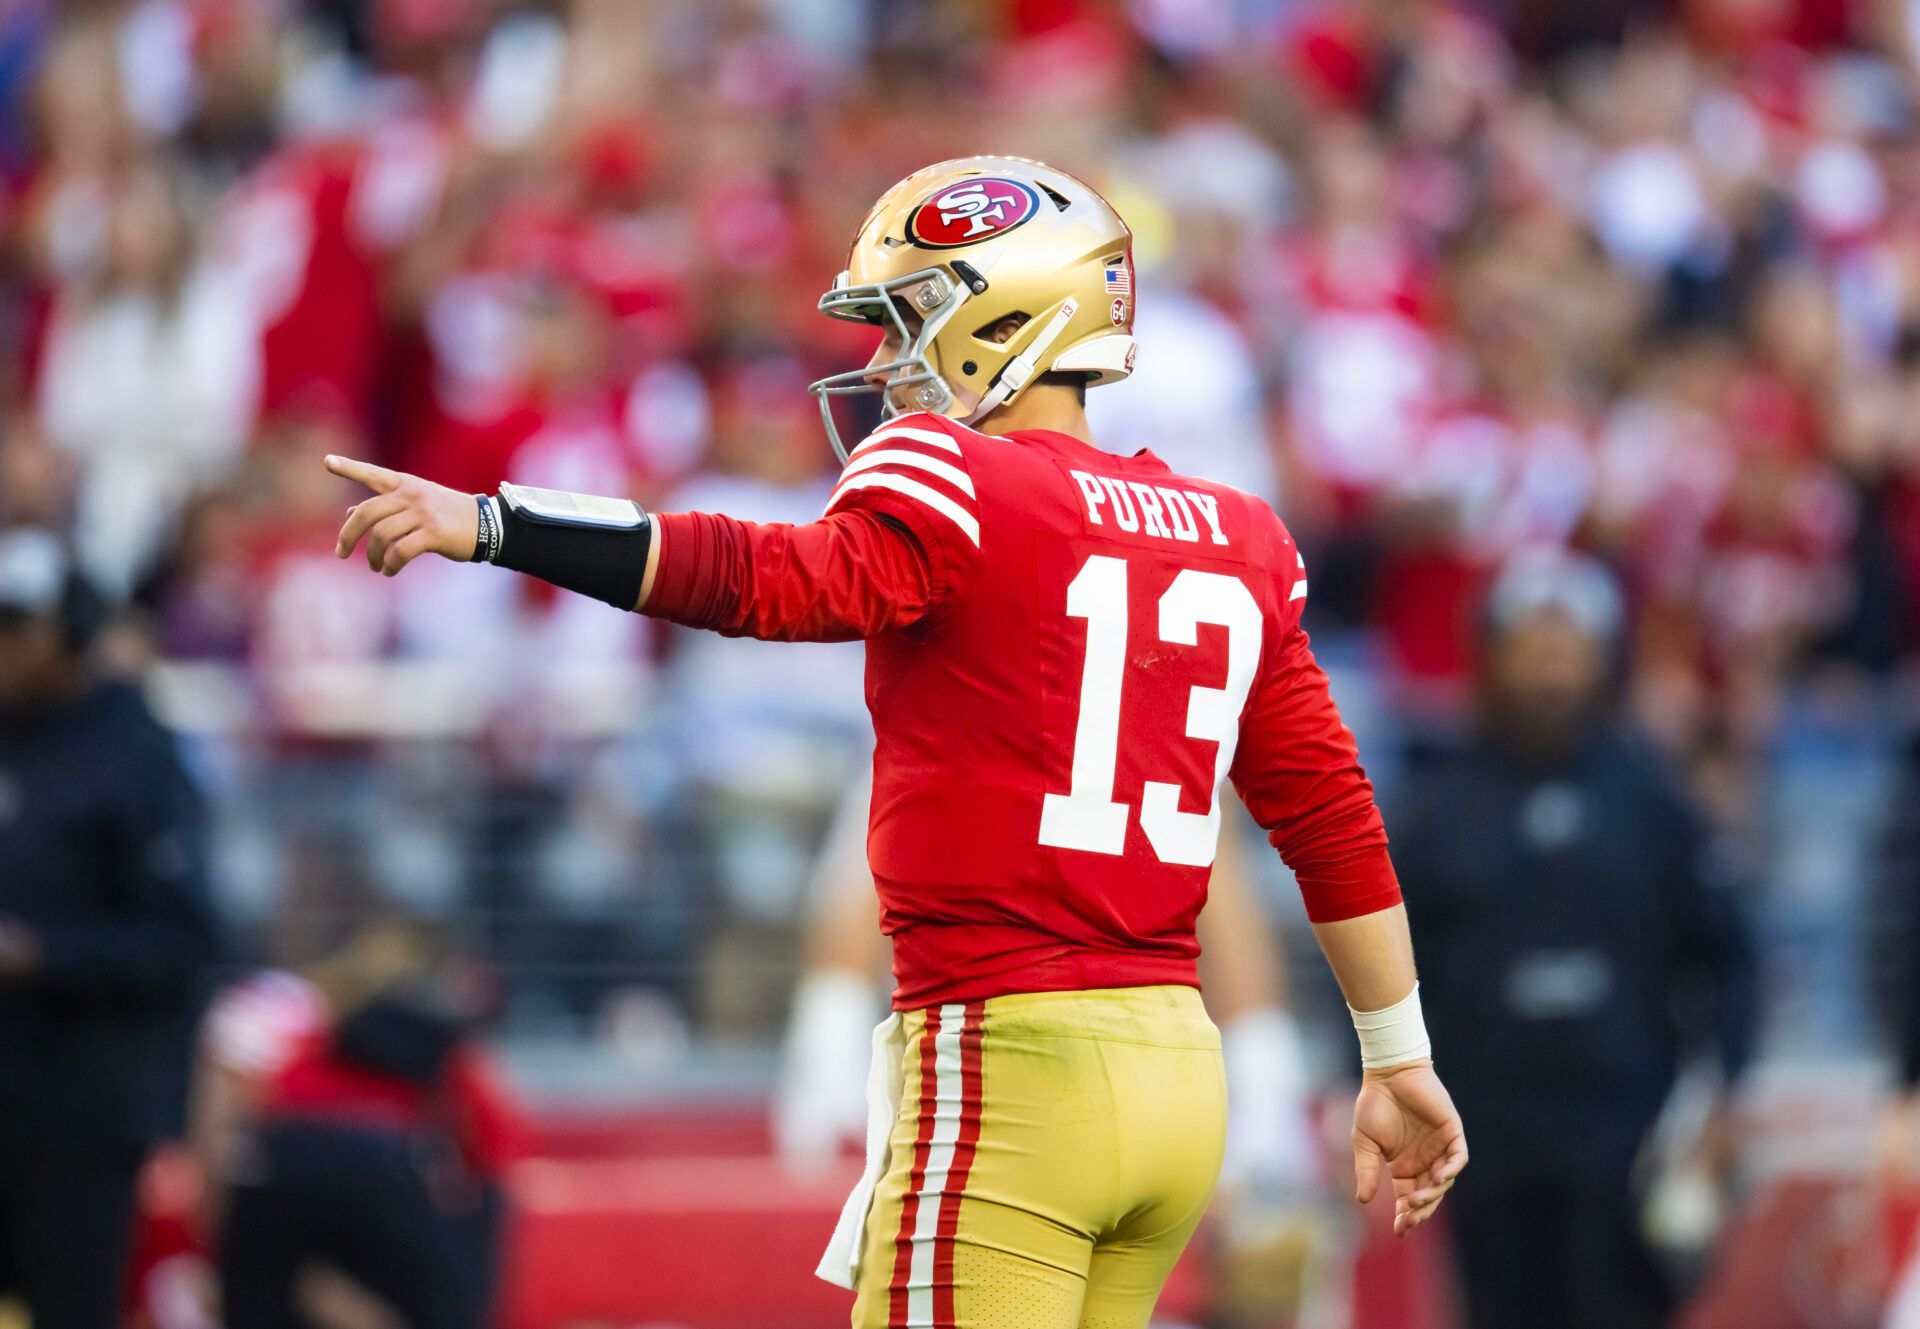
<point>1161,511</point>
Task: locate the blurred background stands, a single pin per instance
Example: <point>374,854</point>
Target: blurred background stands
<point>1449,282</point>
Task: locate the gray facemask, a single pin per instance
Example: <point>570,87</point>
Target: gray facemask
<point>911,383</point>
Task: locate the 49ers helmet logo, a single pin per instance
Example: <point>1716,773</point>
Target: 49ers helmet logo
<point>969,212</point>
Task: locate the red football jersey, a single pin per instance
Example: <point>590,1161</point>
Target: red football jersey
<point>1068,654</point>
<point>1106,644</point>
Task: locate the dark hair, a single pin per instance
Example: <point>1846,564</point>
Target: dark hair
<point>1061,379</point>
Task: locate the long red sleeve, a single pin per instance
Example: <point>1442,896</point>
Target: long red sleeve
<point>845,577</point>
<point>1299,773</point>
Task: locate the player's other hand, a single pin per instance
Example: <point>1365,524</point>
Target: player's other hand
<point>405,518</point>
<point>1405,1122</point>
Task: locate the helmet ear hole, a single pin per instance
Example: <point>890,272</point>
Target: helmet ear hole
<point>969,367</point>
<point>1002,329</point>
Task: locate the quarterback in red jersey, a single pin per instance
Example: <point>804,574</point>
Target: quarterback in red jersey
<point>1069,653</point>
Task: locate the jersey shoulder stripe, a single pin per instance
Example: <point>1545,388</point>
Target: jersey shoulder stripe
<point>931,437</point>
<point>968,524</point>
<point>947,471</point>
<point>915,466</point>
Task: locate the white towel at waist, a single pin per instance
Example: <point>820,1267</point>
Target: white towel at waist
<point>841,1263</point>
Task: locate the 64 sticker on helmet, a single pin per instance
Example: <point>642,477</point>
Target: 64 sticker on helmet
<point>971,211</point>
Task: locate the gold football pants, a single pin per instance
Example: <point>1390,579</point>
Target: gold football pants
<point>1052,1155</point>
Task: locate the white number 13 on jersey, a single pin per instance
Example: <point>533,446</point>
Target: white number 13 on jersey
<point>1086,817</point>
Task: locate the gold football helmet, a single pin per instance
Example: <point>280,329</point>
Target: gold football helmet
<point>966,245</point>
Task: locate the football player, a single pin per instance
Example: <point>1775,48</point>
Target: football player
<point>1068,654</point>
<point>1277,1250</point>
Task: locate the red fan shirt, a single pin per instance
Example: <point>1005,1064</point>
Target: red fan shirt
<point>1068,654</point>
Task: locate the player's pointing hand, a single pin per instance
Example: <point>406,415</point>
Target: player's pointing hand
<point>405,518</point>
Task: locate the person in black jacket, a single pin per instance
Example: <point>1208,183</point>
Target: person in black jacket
<point>105,933</point>
<point>1565,904</point>
<point>1895,954</point>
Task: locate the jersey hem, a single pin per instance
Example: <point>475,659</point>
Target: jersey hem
<point>1094,972</point>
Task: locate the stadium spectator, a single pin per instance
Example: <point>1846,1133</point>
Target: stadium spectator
<point>149,377</point>
<point>764,736</point>
<point>370,1167</point>
<point>106,930</point>
<point>1567,897</point>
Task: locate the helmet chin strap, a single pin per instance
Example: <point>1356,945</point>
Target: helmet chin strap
<point>1015,376</point>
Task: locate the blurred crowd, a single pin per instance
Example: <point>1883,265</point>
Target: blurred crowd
<point>1449,282</point>
<point>1460,285</point>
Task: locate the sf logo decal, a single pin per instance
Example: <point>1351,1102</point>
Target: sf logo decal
<point>966,213</point>
<point>975,206</point>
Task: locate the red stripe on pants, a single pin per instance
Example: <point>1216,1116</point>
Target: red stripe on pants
<point>963,1149</point>
<point>923,1143</point>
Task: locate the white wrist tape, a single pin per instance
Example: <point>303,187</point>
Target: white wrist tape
<point>1394,1034</point>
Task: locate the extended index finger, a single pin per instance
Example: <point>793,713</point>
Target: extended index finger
<point>377,478</point>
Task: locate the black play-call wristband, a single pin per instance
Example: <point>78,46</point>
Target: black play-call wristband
<point>579,542</point>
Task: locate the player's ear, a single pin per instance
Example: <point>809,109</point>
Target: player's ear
<point>1002,332</point>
